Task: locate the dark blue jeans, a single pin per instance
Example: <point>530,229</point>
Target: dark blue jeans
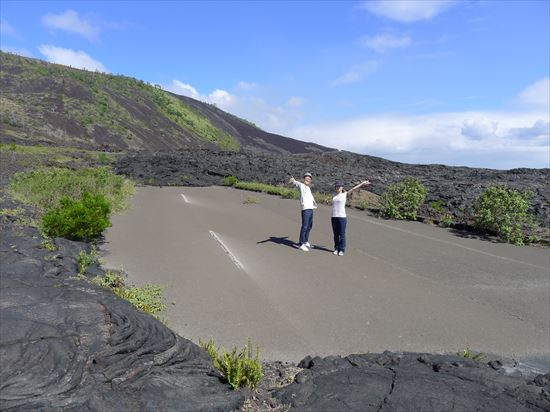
<point>339,231</point>
<point>307,224</point>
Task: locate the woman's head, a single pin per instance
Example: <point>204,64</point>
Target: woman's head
<point>338,186</point>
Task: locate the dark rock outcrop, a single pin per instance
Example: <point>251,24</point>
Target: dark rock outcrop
<point>457,187</point>
<point>66,344</point>
<point>410,382</point>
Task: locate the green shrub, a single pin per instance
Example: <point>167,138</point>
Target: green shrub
<point>240,369</point>
<point>44,188</point>
<point>78,220</point>
<point>402,200</point>
<point>505,211</point>
<point>230,180</point>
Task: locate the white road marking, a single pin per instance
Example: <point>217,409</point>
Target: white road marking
<point>449,243</point>
<point>184,198</point>
<point>227,251</point>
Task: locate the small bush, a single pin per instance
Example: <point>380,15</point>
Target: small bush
<point>504,211</point>
<point>78,220</point>
<point>85,260</point>
<point>402,200</point>
<point>469,354</point>
<point>230,180</point>
<point>240,369</point>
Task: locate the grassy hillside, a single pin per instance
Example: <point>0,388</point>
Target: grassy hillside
<point>44,103</point>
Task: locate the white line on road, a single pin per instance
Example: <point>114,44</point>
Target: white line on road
<point>184,198</point>
<point>449,243</point>
<point>227,251</point>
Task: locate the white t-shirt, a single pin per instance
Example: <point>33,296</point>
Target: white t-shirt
<point>306,197</point>
<point>339,205</point>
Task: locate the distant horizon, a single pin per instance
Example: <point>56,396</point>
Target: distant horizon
<point>439,82</point>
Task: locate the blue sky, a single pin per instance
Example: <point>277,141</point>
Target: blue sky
<point>453,82</point>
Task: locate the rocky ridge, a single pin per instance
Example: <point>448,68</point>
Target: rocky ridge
<point>457,187</point>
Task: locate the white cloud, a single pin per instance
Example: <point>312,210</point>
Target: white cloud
<point>16,50</point>
<point>382,42</point>
<point>479,139</point>
<point>357,73</point>
<point>272,118</point>
<point>295,101</point>
<point>407,10</point>
<point>537,95</point>
<point>183,89</point>
<point>70,21</point>
<point>72,58</point>
<point>6,29</point>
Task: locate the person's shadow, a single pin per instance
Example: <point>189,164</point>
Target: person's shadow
<point>280,241</point>
<point>287,242</point>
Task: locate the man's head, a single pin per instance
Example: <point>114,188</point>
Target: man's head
<point>308,178</point>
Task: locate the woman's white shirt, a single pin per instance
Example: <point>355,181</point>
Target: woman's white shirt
<point>339,205</point>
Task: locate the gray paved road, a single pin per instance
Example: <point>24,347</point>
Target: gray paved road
<point>232,271</point>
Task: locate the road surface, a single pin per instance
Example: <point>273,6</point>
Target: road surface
<point>232,271</point>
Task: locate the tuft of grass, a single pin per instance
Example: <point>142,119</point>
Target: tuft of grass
<point>250,200</point>
<point>240,369</point>
<point>469,354</point>
<point>86,259</point>
<point>269,189</point>
<point>149,298</point>
<point>229,180</point>
<point>48,245</point>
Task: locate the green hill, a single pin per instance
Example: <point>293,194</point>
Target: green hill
<point>44,103</point>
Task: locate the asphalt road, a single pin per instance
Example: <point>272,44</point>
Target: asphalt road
<point>232,271</point>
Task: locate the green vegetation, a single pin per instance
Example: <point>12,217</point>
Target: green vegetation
<point>75,204</point>
<point>240,369</point>
<point>82,219</point>
<point>250,200</point>
<point>184,116</point>
<point>363,205</point>
<point>148,299</point>
<point>469,354</point>
<point>439,209</point>
<point>48,245</point>
<point>229,180</point>
<point>284,192</point>
<point>402,200</point>
<point>93,104</point>
<point>37,154</point>
<point>86,259</point>
<point>44,188</point>
<point>505,211</point>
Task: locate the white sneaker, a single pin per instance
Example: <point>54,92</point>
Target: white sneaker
<point>340,253</point>
<point>335,252</point>
<point>304,248</point>
<point>308,245</point>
